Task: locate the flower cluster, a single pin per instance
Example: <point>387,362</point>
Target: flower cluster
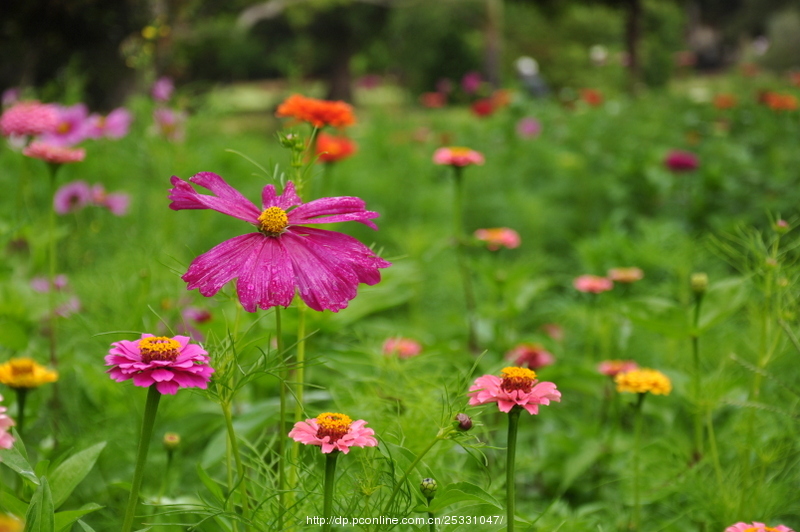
<point>25,373</point>
<point>333,432</point>
<point>318,113</point>
<point>74,196</point>
<point>515,387</point>
<point>643,381</point>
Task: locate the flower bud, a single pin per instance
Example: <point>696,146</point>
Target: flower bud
<point>699,282</point>
<point>428,488</point>
<point>781,227</point>
<point>171,441</point>
<point>464,422</point>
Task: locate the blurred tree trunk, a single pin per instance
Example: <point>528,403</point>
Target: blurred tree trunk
<point>340,77</point>
<point>494,42</point>
<point>633,25</point>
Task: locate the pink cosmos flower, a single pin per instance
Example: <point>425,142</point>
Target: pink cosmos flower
<point>625,275</point>
<point>612,368</point>
<point>533,355</point>
<point>457,156</point>
<point>681,161</point>
<point>498,237</point>
<point>42,284</point>
<point>28,118</point>
<point>72,197</point>
<point>170,124</point>
<point>54,154</point>
<point>593,284</point>
<point>68,308</point>
<point>333,431</point>
<point>72,127</point>
<point>6,439</point>
<point>169,363</point>
<point>162,89</point>
<point>757,527</point>
<point>402,347</point>
<point>529,128</point>
<point>283,255</point>
<point>115,125</point>
<point>116,202</point>
<point>515,386</point>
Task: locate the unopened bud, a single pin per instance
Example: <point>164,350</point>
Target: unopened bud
<point>699,282</point>
<point>171,441</point>
<point>428,488</point>
<point>781,227</point>
<point>464,422</point>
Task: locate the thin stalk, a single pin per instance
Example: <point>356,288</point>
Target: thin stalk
<point>431,522</point>
<point>165,478</point>
<point>281,423</point>
<point>696,385</point>
<point>511,455</point>
<point>466,278</point>
<point>712,440</point>
<point>442,435</point>
<point>330,474</point>
<point>22,394</point>
<point>148,420</point>
<point>299,386</point>
<point>637,503</point>
<point>52,260</point>
<point>226,411</point>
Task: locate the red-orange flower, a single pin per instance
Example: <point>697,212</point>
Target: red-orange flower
<point>592,96</point>
<point>725,101</point>
<point>318,113</point>
<point>331,148</point>
<point>483,107</point>
<point>780,102</point>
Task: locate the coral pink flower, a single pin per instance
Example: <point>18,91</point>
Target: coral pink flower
<point>162,89</point>
<point>117,202</point>
<point>533,355</point>
<point>529,128</point>
<point>169,363</point>
<point>757,527</point>
<point>498,237</point>
<point>614,367</point>
<point>592,283</point>
<point>28,118</point>
<point>515,386</point>
<point>433,100</point>
<point>457,156</point>
<point>72,197</point>
<point>283,256</point>
<point>681,161</point>
<point>625,275</point>
<point>402,347</point>
<point>6,439</point>
<point>331,148</point>
<point>42,284</point>
<point>72,127</point>
<point>115,125</point>
<point>333,432</point>
<point>54,154</point>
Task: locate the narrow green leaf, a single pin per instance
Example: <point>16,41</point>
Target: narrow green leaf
<point>462,491</point>
<point>85,527</point>
<point>72,471</point>
<point>42,468</point>
<point>210,484</point>
<point>13,505</point>
<point>64,520</point>
<point>40,516</point>
<point>16,460</point>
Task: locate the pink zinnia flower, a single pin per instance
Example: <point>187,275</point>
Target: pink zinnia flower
<point>471,82</point>
<point>681,161</point>
<point>6,439</point>
<point>515,386</point>
<point>72,197</point>
<point>54,154</point>
<point>533,355</point>
<point>402,347</point>
<point>593,284</point>
<point>625,275</point>
<point>457,156</point>
<point>72,127</point>
<point>498,237</point>
<point>169,363</point>
<point>162,89</point>
<point>333,431</point>
<point>170,124</point>
<point>529,128</point>
<point>28,118</point>
<point>612,368</point>
<point>283,256</point>
<point>115,125</point>
<point>757,527</point>
<point>42,284</point>
<point>117,202</point>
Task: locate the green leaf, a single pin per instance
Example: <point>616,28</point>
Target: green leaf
<point>72,471</point>
<point>210,484</point>
<point>41,468</point>
<point>40,516</point>
<point>85,527</point>
<point>579,462</point>
<point>64,520</point>
<point>13,333</point>
<point>12,504</point>
<point>460,492</point>
<point>16,460</point>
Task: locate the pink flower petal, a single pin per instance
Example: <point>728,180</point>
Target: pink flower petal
<point>341,209</point>
<point>210,271</point>
<point>227,200</point>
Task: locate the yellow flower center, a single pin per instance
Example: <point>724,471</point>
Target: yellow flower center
<point>64,128</point>
<point>333,425</point>
<point>159,348</point>
<point>273,221</point>
<point>459,151</point>
<point>760,529</point>
<point>22,367</point>
<point>517,379</point>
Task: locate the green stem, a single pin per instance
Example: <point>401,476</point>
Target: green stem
<point>22,394</point>
<point>301,360</point>
<point>148,420</point>
<point>440,436</point>
<point>698,413</point>
<point>712,440</point>
<point>52,260</point>
<point>637,505</point>
<point>226,410</point>
<point>165,478</point>
<point>466,278</point>
<point>281,423</point>
<point>511,455</point>
<point>431,521</point>
<point>330,474</point>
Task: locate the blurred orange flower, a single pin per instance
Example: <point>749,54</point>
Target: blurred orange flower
<point>592,96</point>
<point>725,101</point>
<point>318,113</point>
<point>331,148</point>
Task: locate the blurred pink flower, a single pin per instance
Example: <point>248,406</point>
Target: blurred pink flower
<point>757,527</point>
<point>283,256</point>
<point>498,237</point>
<point>197,315</point>
<point>6,439</point>
<point>554,331</point>
<point>28,118</point>
<point>42,284</point>
<point>471,82</point>
<point>116,202</point>
<point>54,154</point>
<point>169,363</point>
<point>115,125</point>
<point>72,197</point>
<point>592,283</point>
<point>162,89</point>
<point>10,96</point>
<point>515,387</point>
<point>170,124</point>
<point>457,156</point>
<point>72,127</point>
<point>612,368</point>
<point>531,355</point>
<point>402,347</point>
<point>529,128</point>
<point>333,431</point>
<point>681,161</point>
<point>625,275</point>
<point>68,308</point>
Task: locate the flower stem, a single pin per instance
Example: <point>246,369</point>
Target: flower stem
<point>52,260</point>
<point>301,360</point>
<point>698,414</point>
<point>637,505</point>
<point>281,422</point>
<point>466,278</point>
<point>511,455</point>
<point>330,474</point>
<point>431,522</point>
<point>442,435</point>
<point>148,420</point>
<point>226,410</point>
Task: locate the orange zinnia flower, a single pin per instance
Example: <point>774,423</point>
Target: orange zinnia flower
<point>724,101</point>
<point>318,113</point>
<point>592,96</point>
<point>331,148</point>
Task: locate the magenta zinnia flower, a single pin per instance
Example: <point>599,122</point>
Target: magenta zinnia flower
<point>681,161</point>
<point>333,432</point>
<point>757,527</point>
<point>6,439</point>
<point>169,363</point>
<point>515,386</point>
<point>28,118</point>
<point>162,89</point>
<point>325,267</point>
<point>72,197</point>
